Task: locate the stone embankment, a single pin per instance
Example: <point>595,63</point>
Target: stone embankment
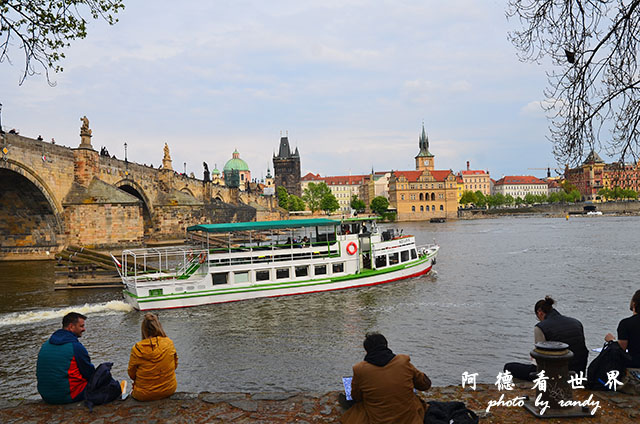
<point>554,210</point>
<point>301,408</point>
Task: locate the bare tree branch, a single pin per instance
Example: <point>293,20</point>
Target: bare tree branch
<point>42,29</point>
<point>594,101</point>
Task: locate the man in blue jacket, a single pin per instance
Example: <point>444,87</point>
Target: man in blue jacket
<point>64,366</point>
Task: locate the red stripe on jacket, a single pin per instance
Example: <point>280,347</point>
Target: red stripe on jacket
<point>77,382</point>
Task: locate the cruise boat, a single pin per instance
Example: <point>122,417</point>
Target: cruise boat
<point>249,260</point>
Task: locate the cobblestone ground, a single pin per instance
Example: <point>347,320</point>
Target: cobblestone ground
<point>298,408</point>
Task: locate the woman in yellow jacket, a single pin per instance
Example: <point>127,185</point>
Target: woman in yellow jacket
<point>153,362</point>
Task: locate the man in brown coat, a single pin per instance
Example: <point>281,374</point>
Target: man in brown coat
<point>382,387</point>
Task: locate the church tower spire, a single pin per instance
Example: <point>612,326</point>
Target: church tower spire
<point>424,160</point>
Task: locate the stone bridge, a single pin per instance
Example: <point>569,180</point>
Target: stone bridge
<point>52,196</point>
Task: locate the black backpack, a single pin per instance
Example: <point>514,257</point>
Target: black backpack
<point>612,357</point>
<point>449,413</point>
<point>102,388</point>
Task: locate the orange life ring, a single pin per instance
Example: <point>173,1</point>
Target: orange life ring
<point>352,248</point>
<point>202,258</point>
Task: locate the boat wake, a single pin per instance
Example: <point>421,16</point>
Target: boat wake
<point>100,309</point>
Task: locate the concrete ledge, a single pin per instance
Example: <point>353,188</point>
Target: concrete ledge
<point>311,408</point>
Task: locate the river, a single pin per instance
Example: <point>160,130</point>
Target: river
<point>474,313</point>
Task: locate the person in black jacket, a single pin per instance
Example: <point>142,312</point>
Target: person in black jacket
<point>554,326</point>
<point>629,332</point>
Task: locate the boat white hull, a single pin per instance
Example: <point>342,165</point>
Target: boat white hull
<point>233,294</point>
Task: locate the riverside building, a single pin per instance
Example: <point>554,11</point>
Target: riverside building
<point>424,193</point>
<point>520,186</point>
<point>594,174</point>
<point>475,180</point>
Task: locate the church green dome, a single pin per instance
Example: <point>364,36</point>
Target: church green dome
<point>235,163</point>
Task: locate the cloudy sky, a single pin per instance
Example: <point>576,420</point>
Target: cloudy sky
<point>351,82</point>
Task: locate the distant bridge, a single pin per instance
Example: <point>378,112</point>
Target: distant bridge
<point>52,196</point>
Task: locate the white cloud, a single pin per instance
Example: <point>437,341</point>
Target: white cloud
<point>352,80</point>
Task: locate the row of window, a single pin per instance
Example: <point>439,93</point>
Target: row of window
<point>282,255</point>
<point>395,258</point>
<point>419,186</point>
<point>530,187</point>
<point>276,273</point>
<point>423,197</point>
<point>524,193</point>
<point>476,180</point>
<point>426,208</point>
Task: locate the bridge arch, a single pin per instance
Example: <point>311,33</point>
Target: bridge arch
<point>29,205</point>
<point>187,190</point>
<point>133,188</point>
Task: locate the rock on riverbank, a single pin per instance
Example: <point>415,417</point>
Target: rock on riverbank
<point>297,408</point>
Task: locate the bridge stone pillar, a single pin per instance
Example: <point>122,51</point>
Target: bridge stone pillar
<point>86,161</point>
<point>85,165</point>
<point>166,180</point>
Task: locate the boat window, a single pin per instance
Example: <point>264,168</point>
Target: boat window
<point>404,255</point>
<point>394,258</point>
<point>339,267</point>
<point>282,273</point>
<point>219,278</point>
<point>262,275</point>
<point>320,269</point>
<point>381,261</point>
<point>414,254</point>
<point>155,292</point>
<point>241,277</point>
<point>302,271</point>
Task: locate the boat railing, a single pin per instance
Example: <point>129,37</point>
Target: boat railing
<point>176,262</point>
<point>427,249</point>
<point>274,253</point>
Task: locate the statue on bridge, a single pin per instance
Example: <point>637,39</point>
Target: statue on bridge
<point>85,134</point>
<point>85,130</point>
<point>207,175</point>
<point>166,160</point>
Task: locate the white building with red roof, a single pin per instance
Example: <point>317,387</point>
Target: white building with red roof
<point>476,180</point>
<point>520,186</point>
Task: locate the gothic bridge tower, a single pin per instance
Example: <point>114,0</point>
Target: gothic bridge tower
<point>286,167</point>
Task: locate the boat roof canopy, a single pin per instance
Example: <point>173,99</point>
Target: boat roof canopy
<point>363,218</point>
<point>262,225</point>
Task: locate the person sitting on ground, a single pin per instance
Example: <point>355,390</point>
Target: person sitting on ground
<point>153,362</point>
<point>629,332</point>
<point>64,368</point>
<point>382,387</point>
<point>556,327</point>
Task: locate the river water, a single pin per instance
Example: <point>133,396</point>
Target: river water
<point>474,313</point>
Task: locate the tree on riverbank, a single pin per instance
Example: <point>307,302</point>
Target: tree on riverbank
<point>499,200</point>
<point>43,29</point>
<point>290,202</point>
<point>318,196</point>
<point>357,204</point>
<point>617,193</point>
<point>379,205</point>
<point>594,86</point>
